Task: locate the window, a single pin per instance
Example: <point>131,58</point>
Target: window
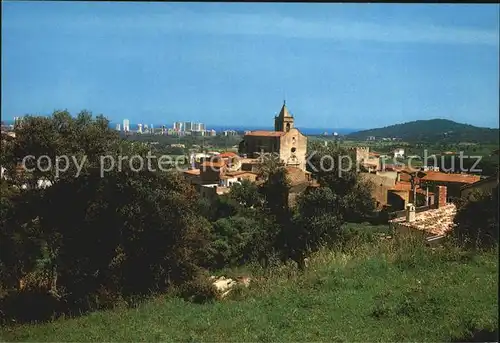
<point>287,127</point>
<point>293,150</point>
<point>293,140</point>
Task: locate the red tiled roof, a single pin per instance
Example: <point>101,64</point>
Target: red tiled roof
<point>266,133</point>
<point>192,172</point>
<point>444,177</point>
<point>402,186</point>
<point>393,167</point>
<point>406,186</point>
<point>404,177</point>
<point>222,190</point>
<point>227,154</point>
<point>249,161</point>
<point>480,182</point>
<point>433,222</point>
<point>218,164</point>
<point>240,172</point>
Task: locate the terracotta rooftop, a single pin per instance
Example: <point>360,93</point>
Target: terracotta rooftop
<point>192,172</point>
<point>216,164</point>
<point>401,186</point>
<point>404,177</point>
<point>480,182</point>
<point>249,160</point>
<point>262,133</point>
<point>222,190</point>
<point>434,222</point>
<point>445,177</point>
<point>240,172</point>
<point>393,167</point>
<point>406,186</point>
<point>227,154</point>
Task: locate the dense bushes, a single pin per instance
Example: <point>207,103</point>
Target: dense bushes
<point>476,221</point>
<point>234,241</point>
<point>94,236</point>
<point>199,290</point>
<point>331,167</point>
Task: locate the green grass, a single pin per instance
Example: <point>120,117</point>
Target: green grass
<point>388,291</point>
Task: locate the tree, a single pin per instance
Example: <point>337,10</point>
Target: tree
<point>142,228</point>
<point>19,245</point>
<point>246,194</point>
<point>476,221</point>
<point>236,240</point>
<point>274,188</point>
<point>318,223</point>
<point>336,169</point>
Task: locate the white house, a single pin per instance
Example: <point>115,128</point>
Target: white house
<point>399,153</point>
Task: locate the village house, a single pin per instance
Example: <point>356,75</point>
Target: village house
<point>393,188</point>
<point>453,182</point>
<point>398,153</point>
<point>433,223</point>
<point>215,175</point>
<point>486,185</point>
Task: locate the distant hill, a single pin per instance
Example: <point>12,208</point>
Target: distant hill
<point>433,130</point>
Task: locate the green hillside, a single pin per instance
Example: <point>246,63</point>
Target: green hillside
<point>378,292</point>
<point>432,130</point>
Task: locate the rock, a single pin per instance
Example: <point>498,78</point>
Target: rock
<point>244,280</point>
<point>224,286</point>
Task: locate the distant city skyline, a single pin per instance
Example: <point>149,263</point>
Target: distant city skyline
<point>232,64</point>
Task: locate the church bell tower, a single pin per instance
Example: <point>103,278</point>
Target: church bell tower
<point>284,121</point>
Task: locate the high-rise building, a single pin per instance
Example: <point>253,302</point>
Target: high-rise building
<point>152,129</point>
<point>18,121</point>
<point>126,125</point>
<point>202,127</point>
<point>139,128</point>
<point>195,127</point>
<point>118,127</point>
<point>188,126</point>
<point>178,126</point>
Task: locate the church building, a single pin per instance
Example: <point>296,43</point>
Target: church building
<point>286,141</point>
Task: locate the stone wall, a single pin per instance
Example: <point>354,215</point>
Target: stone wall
<point>381,185</point>
<point>293,149</point>
<point>253,145</point>
<point>362,153</point>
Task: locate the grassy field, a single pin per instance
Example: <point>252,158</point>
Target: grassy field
<point>386,291</point>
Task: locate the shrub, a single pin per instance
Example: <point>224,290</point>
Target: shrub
<point>476,221</point>
<point>200,290</point>
<point>101,237</point>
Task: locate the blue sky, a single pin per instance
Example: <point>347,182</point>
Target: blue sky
<point>337,65</point>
